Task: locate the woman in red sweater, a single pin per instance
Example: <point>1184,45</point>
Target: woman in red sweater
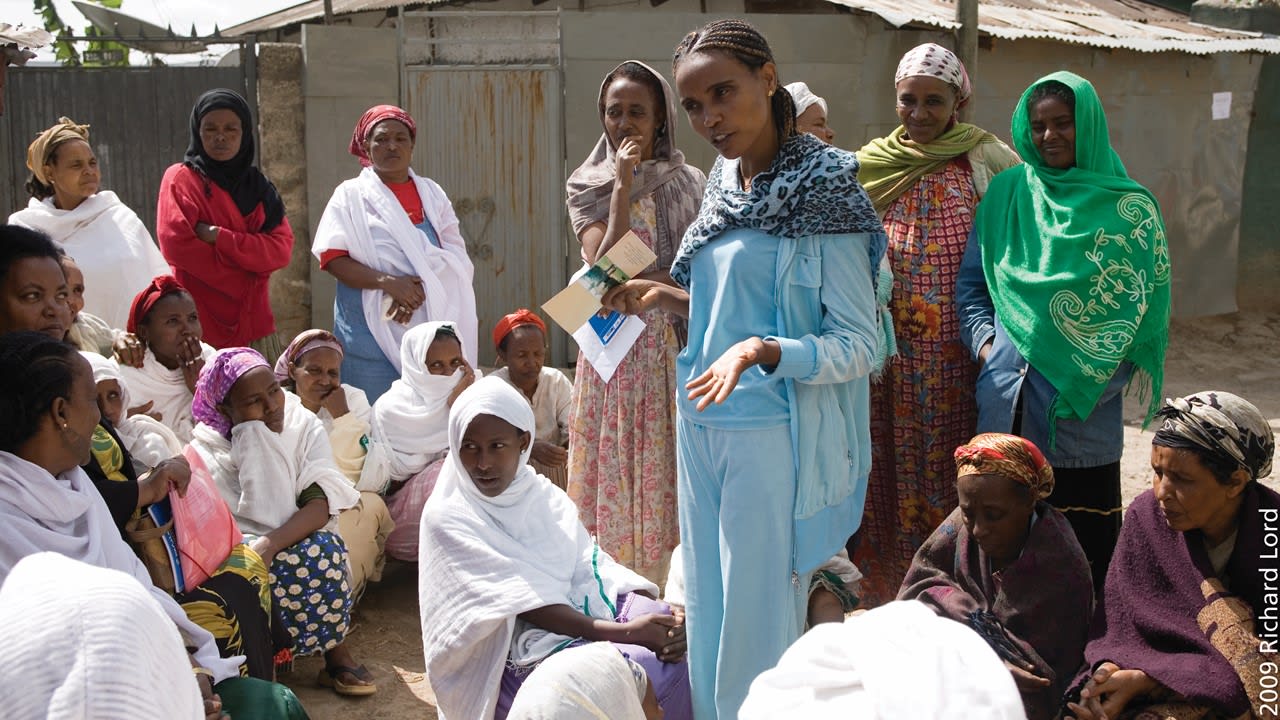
<point>221,226</point>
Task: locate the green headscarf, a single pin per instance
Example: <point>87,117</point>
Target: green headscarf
<point>890,165</point>
<point>1077,262</point>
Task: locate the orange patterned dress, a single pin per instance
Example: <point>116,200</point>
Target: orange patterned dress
<point>922,407</point>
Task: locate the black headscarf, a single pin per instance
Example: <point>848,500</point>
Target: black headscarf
<point>246,184</point>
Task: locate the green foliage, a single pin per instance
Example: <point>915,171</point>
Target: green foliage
<point>65,51</point>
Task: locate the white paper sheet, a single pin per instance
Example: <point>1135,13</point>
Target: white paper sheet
<point>605,341</point>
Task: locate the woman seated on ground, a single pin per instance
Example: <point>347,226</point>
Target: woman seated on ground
<point>33,287</point>
<point>521,342</point>
<point>508,574</point>
<point>164,356</point>
<point>88,332</point>
<point>311,368</point>
<point>1177,632</point>
<point>1008,565</point>
<point>91,225</point>
<point>146,440</point>
<point>48,415</point>
<point>409,433</point>
<point>271,461</point>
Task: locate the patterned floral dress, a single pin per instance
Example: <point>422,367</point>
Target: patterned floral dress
<point>622,453</point>
<point>922,407</point>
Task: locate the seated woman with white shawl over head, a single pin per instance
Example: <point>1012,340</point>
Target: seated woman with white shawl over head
<point>390,237</point>
<point>508,575</point>
<point>271,462</point>
<point>48,414</point>
<point>409,434</point>
<point>311,369</point>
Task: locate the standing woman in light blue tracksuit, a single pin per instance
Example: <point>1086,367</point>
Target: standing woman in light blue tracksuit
<point>772,435</point>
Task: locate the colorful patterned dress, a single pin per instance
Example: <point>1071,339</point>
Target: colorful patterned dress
<point>622,455</point>
<point>922,407</point>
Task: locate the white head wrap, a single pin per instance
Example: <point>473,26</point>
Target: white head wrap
<point>932,60</point>
<point>90,643</point>
<point>804,98</point>
<point>896,661</point>
<point>412,417</point>
<point>582,683</point>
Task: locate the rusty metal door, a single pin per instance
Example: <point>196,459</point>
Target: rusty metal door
<point>492,138</point>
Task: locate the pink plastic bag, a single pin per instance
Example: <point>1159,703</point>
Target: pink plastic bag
<point>204,524</point>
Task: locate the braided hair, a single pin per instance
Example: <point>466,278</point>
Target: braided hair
<point>1052,89</point>
<point>34,371</point>
<point>743,42</point>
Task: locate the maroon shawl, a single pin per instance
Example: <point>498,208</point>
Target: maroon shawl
<point>1164,611</point>
<point>1043,599</point>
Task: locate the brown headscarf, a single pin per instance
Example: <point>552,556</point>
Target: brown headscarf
<point>1008,455</point>
<point>676,187</point>
<point>42,147</point>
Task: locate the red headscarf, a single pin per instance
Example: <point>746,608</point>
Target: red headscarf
<point>161,286</point>
<point>510,322</point>
<point>1009,455</point>
<point>371,117</point>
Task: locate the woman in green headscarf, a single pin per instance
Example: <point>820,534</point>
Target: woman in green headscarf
<point>1063,298</point>
<point>925,178</point>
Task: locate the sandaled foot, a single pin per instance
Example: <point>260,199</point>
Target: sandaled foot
<point>346,680</point>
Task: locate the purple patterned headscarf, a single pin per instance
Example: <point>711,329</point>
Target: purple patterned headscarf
<point>216,379</point>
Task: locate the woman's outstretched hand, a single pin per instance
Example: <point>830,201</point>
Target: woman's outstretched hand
<point>715,384</point>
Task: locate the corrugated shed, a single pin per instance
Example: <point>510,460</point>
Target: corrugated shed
<point>1123,24</point>
<point>314,9</point>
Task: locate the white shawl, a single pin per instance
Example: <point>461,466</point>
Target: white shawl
<point>90,643</point>
<point>409,429</point>
<point>588,682</point>
<point>482,561</point>
<point>364,207</point>
<point>66,515</point>
<point>156,383</point>
<point>261,473</point>
<point>896,661</point>
<point>147,440</point>
<point>109,243</point>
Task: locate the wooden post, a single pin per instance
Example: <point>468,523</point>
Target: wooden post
<point>328,12</point>
<point>967,44</point>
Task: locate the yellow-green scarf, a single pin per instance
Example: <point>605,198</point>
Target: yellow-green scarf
<point>892,164</point>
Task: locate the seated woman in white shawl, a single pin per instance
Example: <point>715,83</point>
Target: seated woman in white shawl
<point>146,439</point>
<point>311,369</point>
<point>271,462</point>
<point>48,413</point>
<point>105,237</point>
<point>164,320</point>
<point>88,332</point>
<point>409,432</point>
<point>390,238</point>
<point>508,574</point>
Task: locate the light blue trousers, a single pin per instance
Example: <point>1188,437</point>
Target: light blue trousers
<point>736,491</point>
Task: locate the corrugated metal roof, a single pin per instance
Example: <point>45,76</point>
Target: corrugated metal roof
<point>314,9</point>
<point>1126,24</point>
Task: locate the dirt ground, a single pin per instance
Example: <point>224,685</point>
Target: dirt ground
<point>1236,353</point>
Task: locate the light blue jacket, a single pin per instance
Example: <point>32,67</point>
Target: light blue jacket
<point>829,324</point>
<point>1097,440</point>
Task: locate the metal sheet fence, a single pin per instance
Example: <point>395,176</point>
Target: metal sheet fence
<point>495,146</point>
<point>138,120</point>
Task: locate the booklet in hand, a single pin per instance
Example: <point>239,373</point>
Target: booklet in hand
<point>572,307</point>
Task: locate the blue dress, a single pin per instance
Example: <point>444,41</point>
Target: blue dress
<point>364,365</point>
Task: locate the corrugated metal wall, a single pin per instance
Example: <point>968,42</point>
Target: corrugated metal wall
<point>492,138</point>
<point>138,119</point>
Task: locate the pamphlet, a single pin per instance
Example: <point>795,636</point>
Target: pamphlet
<point>606,339</point>
<point>572,307</point>
<point>162,514</point>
